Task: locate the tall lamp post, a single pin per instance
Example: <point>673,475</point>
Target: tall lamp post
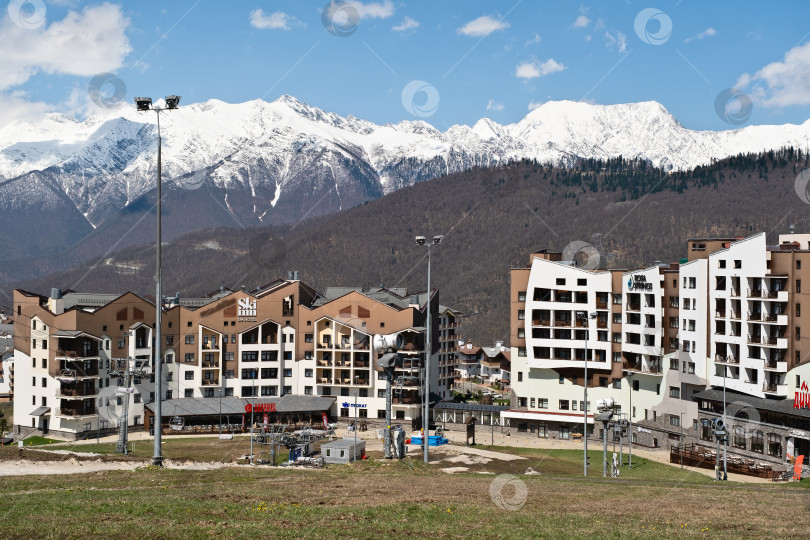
<point>145,104</point>
<point>585,318</point>
<point>630,440</point>
<point>422,241</point>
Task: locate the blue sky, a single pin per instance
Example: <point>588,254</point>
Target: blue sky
<point>476,59</point>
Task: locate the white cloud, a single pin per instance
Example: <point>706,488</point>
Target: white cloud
<point>372,10</point>
<point>582,21</point>
<point>278,20</point>
<point>482,26</point>
<point>534,41</point>
<point>534,104</point>
<point>83,43</point>
<point>781,84</point>
<point>493,106</point>
<point>709,32</point>
<point>618,40</point>
<point>534,69</point>
<point>406,24</point>
<point>17,107</point>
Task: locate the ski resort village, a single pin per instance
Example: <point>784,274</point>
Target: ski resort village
<point>700,360</point>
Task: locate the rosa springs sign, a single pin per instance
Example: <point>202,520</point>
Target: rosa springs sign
<point>246,310</point>
<point>639,283</point>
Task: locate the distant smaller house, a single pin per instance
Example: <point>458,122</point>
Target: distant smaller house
<point>343,451</point>
<point>6,360</point>
<point>490,364</point>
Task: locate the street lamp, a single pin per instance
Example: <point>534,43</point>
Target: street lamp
<point>422,241</point>
<point>145,104</point>
<point>585,317</point>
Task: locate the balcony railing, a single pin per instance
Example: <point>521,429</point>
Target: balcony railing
<point>78,411</point>
<point>726,359</point>
<point>754,339</point>
<point>74,391</point>
<point>210,364</point>
<point>720,314</point>
<point>754,293</point>
<point>210,382</point>
<point>633,307</point>
<point>541,322</point>
<point>562,322</point>
<point>769,387</point>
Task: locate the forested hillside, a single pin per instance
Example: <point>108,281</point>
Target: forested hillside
<point>491,220</point>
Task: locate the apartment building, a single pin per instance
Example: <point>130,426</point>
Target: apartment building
<point>661,341</point>
<point>449,337</point>
<point>281,339</point>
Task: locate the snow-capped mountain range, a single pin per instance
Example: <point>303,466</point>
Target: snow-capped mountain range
<point>278,162</point>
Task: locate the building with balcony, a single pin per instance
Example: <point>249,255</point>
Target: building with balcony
<point>658,338</point>
<point>71,350</point>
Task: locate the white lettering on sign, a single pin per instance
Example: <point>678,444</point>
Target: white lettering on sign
<point>247,308</point>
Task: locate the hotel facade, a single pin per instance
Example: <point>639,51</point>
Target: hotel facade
<point>664,341</point>
<point>282,339</point>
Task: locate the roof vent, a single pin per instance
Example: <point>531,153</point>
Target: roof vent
<point>56,294</point>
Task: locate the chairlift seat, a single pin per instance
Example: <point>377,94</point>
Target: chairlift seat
<point>176,423</point>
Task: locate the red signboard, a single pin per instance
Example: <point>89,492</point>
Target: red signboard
<point>801,399</point>
<point>260,408</point>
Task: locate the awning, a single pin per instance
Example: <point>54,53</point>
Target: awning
<point>40,411</point>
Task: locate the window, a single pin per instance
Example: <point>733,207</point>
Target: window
<point>798,264</point>
<point>573,404</point>
<point>617,299</point>
<point>307,390</point>
<point>121,343</point>
<point>674,392</point>
<point>673,364</point>
<point>169,394</point>
<point>229,374</point>
<point>617,356</point>
<point>189,375</point>
<point>737,264</point>
<point>521,334</point>
<point>798,333</point>
<point>560,281</point>
<point>265,373</point>
<point>308,373</point>
<point>188,392</point>
<point>721,263</point>
<point>563,404</point>
<point>249,373</point>
<point>758,442</point>
<point>617,383</point>
<point>308,338</point>
<point>229,356</point>
<point>674,420</point>
<point>170,340</point>
<point>189,339</point>
<point>635,386</point>
<point>798,310</point>
<point>562,379</point>
<point>250,356</point>
<point>617,318</point>
<point>522,402</point>
<point>542,403</point>
<point>522,351</point>
<point>189,357</point>
<point>522,296</point>
<point>798,285</point>
<point>247,391</point>
<point>603,382</point>
<point>269,356</point>
<point>521,315</point>
<point>532,403</point>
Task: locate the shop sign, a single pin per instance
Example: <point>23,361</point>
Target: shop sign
<point>801,399</point>
<point>260,408</point>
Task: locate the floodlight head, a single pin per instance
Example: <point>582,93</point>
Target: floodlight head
<point>387,342</point>
<point>420,240</point>
<point>143,103</point>
<point>438,239</point>
<point>172,102</point>
<point>593,315</point>
<point>581,315</point>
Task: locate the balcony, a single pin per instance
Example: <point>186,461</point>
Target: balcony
<point>754,293</point>
<point>78,369</point>
<point>726,359</point>
<point>77,412</point>
<point>778,319</point>
<point>773,365</point>
<point>638,367</point>
<point>210,364</point>
<point>720,314</point>
<point>735,315</point>
<point>210,382</point>
<point>406,401</point>
<point>601,324</point>
<point>755,316</point>
<point>773,388</point>
<point>562,323</point>
<point>325,380</point>
<point>541,322</point>
<point>324,363</point>
<point>601,304</point>
<point>734,292</point>
<point>633,307</point>
<point>210,347</point>
<point>74,391</point>
<point>365,363</point>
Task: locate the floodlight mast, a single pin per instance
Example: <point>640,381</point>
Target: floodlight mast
<point>145,104</point>
<point>422,241</point>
